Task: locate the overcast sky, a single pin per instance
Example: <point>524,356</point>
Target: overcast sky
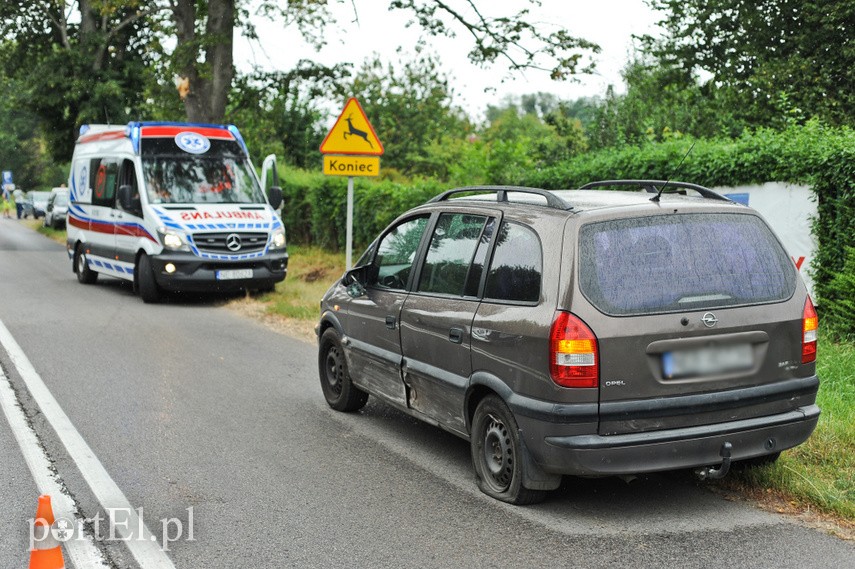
<point>610,23</point>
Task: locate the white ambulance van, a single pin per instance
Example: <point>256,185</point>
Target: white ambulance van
<point>172,207</point>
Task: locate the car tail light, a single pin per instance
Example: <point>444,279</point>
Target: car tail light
<point>573,354</point>
<point>810,323</point>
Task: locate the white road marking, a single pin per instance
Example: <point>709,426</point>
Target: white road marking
<point>144,547</point>
<point>81,552</point>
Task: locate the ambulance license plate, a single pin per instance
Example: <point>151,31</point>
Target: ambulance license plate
<point>232,274</point>
<point>707,361</point>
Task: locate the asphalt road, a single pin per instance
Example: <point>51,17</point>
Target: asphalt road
<point>187,404</point>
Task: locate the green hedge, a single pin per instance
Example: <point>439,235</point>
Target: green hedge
<point>815,155</point>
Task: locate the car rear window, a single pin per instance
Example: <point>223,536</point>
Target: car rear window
<point>682,262</point>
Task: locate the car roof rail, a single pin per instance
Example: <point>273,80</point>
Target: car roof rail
<point>654,186</point>
<point>501,192</point>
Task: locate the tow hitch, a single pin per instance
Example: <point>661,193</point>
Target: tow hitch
<point>711,473</point>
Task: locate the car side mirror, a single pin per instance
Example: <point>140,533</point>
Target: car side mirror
<point>274,197</point>
<point>127,199</point>
<point>356,279</point>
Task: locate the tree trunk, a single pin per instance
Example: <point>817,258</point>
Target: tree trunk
<point>211,81</point>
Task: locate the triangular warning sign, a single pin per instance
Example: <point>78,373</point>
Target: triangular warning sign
<point>352,133</point>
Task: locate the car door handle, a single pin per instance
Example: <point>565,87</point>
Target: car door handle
<point>391,321</point>
<point>455,336</point>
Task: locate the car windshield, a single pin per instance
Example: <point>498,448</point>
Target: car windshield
<point>187,179</point>
<point>61,200</point>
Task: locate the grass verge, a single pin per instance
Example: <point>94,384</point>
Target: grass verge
<point>294,307</point>
<point>819,474</point>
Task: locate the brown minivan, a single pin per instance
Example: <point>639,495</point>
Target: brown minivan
<point>585,332</point>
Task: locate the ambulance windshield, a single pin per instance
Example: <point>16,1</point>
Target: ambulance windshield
<point>189,179</point>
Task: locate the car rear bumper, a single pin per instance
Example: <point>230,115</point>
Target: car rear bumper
<point>687,447</point>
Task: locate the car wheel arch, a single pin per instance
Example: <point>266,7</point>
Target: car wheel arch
<point>330,320</point>
<point>482,384</point>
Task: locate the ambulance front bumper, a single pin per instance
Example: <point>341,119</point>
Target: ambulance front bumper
<point>187,272</point>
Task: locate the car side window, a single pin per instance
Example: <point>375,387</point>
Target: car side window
<point>452,249</point>
<point>396,253</point>
<point>517,267</point>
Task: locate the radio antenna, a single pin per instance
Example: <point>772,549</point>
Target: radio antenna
<point>675,171</point>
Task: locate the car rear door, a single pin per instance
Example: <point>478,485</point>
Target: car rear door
<point>698,319</point>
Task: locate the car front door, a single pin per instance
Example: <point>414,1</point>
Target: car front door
<point>436,320</point>
<point>373,319</point>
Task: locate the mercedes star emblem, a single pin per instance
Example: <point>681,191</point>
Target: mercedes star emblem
<point>233,243</point>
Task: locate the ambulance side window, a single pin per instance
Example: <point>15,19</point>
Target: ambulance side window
<point>104,175</point>
<point>128,177</point>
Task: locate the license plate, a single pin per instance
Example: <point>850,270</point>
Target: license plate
<point>707,361</point>
<point>232,274</point>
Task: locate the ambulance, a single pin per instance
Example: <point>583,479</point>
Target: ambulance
<point>173,207</point>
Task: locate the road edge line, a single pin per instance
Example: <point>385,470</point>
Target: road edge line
<point>144,548</point>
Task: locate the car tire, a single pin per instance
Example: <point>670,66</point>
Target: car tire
<point>85,275</point>
<point>497,454</point>
<point>146,284</point>
<point>336,384</point>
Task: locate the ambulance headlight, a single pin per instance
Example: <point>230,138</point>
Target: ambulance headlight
<point>278,240</point>
<point>173,240</point>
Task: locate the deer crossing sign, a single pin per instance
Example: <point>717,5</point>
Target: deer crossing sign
<point>351,148</point>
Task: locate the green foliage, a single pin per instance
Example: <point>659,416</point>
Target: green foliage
<point>22,147</point>
<point>662,103</point>
<point>410,108</point>
<point>776,60</point>
<point>315,207</point>
<point>838,307</point>
<point>68,71</point>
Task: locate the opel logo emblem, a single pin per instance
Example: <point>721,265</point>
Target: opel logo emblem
<point>233,243</point>
<point>709,320</point>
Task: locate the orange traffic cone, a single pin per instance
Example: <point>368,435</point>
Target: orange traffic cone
<point>46,552</point>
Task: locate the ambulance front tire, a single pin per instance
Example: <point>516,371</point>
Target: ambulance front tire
<point>85,275</point>
<point>146,285</point>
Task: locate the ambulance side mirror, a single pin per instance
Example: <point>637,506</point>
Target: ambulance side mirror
<point>274,197</point>
<point>129,201</point>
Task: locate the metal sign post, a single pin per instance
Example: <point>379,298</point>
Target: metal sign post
<point>349,238</point>
<point>351,148</point>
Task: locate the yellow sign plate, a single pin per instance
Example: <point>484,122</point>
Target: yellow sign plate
<point>351,165</point>
<point>352,133</point>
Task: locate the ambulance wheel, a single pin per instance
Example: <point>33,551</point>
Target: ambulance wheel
<point>85,275</point>
<point>146,285</point>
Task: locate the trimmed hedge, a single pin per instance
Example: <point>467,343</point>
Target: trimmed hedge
<point>813,154</point>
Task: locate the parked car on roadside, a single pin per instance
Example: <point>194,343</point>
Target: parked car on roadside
<point>39,200</point>
<point>56,209</point>
<point>582,332</point>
